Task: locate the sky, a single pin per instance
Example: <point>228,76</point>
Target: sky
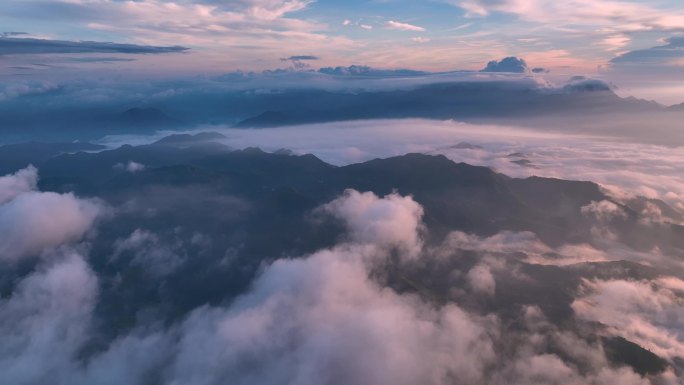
<point>636,44</point>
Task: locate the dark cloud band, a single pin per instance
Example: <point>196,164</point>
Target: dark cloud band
<point>25,46</point>
<point>674,49</point>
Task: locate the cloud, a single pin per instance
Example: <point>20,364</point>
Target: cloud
<point>267,9</point>
<point>359,70</point>
<point>53,310</point>
<point>131,167</point>
<point>302,57</point>
<point>49,311</point>
<point>403,26</point>
<point>644,312</point>
<point>420,39</point>
<point>392,221</point>
<point>322,320</point>
<point>95,59</point>
<point>298,61</point>
<point>12,34</point>
<point>27,46</point>
<point>481,280</point>
<point>14,90</point>
<point>591,30</point>
<point>670,53</point>
<point>551,369</point>
<point>13,185</point>
<point>508,64</point>
<point>648,72</point>
<point>359,24</point>
<point>584,84</point>
<point>32,222</point>
<point>147,250</point>
<point>524,244</point>
<point>617,15</point>
<point>134,167</point>
<point>652,214</point>
<point>503,242</point>
<point>604,211</point>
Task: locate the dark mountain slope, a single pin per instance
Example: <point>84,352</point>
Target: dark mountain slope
<point>455,196</point>
<point>16,156</point>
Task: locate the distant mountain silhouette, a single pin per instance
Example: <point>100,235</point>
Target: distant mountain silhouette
<point>677,107</point>
<point>16,156</point>
<point>581,106</point>
<point>141,118</point>
<point>267,119</point>
<point>465,100</point>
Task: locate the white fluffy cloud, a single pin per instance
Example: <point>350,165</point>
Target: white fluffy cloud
<point>604,210</point>
<point>45,321</point>
<point>18,183</point>
<point>391,222</point>
<point>323,320</point>
<point>33,221</point>
<point>392,24</point>
<point>481,280</point>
